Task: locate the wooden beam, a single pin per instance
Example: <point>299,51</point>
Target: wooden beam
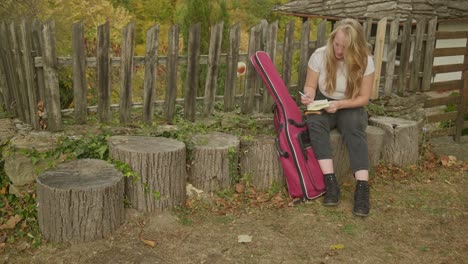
<point>378,55</point>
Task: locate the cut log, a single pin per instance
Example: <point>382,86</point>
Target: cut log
<point>215,161</point>
<point>259,161</point>
<point>161,167</point>
<point>81,200</point>
<point>375,139</point>
<point>400,141</point>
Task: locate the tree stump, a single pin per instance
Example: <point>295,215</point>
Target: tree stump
<point>375,139</point>
<point>260,162</point>
<point>214,162</point>
<point>161,167</point>
<point>400,145</point>
<point>81,200</point>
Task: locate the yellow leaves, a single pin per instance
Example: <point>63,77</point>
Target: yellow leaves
<point>150,243</point>
<point>337,247</point>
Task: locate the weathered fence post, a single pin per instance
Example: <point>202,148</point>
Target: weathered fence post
<point>304,56</point>
<point>52,94</point>
<point>288,49</point>
<point>249,84</point>
<point>193,71</point>
<point>367,28</point>
<point>378,55</point>
<point>321,34</point>
<point>172,58</point>
<point>37,43</point>
<point>151,74</point>
<point>79,73</point>
<point>103,73</point>
<point>460,121</point>
<point>417,54</point>
<point>28,67</point>
<point>271,40</point>
<point>405,55</point>
<point>260,89</point>
<point>23,106</point>
<point>231,69</point>
<point>213,62</point>
<point>126,73</point>
<point>7,60</point>
<point>429,55</point>
<point>391,56</point>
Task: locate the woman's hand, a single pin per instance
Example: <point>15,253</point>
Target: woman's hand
<point>334,106</point>
<point>306,99</point>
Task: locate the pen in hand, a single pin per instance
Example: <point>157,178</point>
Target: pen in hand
<point>303,95</point>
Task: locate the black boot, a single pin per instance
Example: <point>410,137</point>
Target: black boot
<point>332,195</point>
<point>361,199</point>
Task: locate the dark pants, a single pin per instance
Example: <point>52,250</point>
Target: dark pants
<point>351,123</point>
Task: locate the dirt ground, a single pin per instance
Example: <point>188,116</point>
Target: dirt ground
<point>418,215</point>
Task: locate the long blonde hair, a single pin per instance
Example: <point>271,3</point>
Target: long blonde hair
<point>355,56</point>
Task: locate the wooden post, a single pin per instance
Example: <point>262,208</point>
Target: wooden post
<point>461,111</point>
<point>9,70</point>
<point>28,67</point>
<point>271,38</point>
<point>23,106</point>
<point>321,34</point>
<point>429,55</point>
<point>368,28</point>
<point>37,43</point>
<point>126,73</point>
<point>151,73</point>
<point>82,200</point>
<point>4,93</point>
<point>417,54</point>
<point>161,167</point>
<point>213,62</point>
<point>193,71</point>
<point>260,88</point>
<point>288,49</point>
<point>52,95</point>
<point>304,57</point>
<point>79,73</point>
<point>249,84</point>
<point>103,73</point>
<point>171,66</point>
<point>391,56</point>
<point>378,54</point>
<point>405,55</point>
<point>231,69</point>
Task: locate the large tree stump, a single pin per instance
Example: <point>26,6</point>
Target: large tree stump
<point>375,139</point>
<point>215,161</point>
<point>260,162</point>
<point>400,141</point>
<point>161,167</point>
<point>81,200</point>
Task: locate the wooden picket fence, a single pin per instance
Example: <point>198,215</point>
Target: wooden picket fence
<point>29,68</point>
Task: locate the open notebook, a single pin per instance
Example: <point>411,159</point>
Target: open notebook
<point>318,105</point>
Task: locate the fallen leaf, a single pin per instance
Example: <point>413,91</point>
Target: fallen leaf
<point>147,242</point>
<point>239,187</point>
<point>11,223</point>
<point>337,246</point>
<point>244,238</point>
